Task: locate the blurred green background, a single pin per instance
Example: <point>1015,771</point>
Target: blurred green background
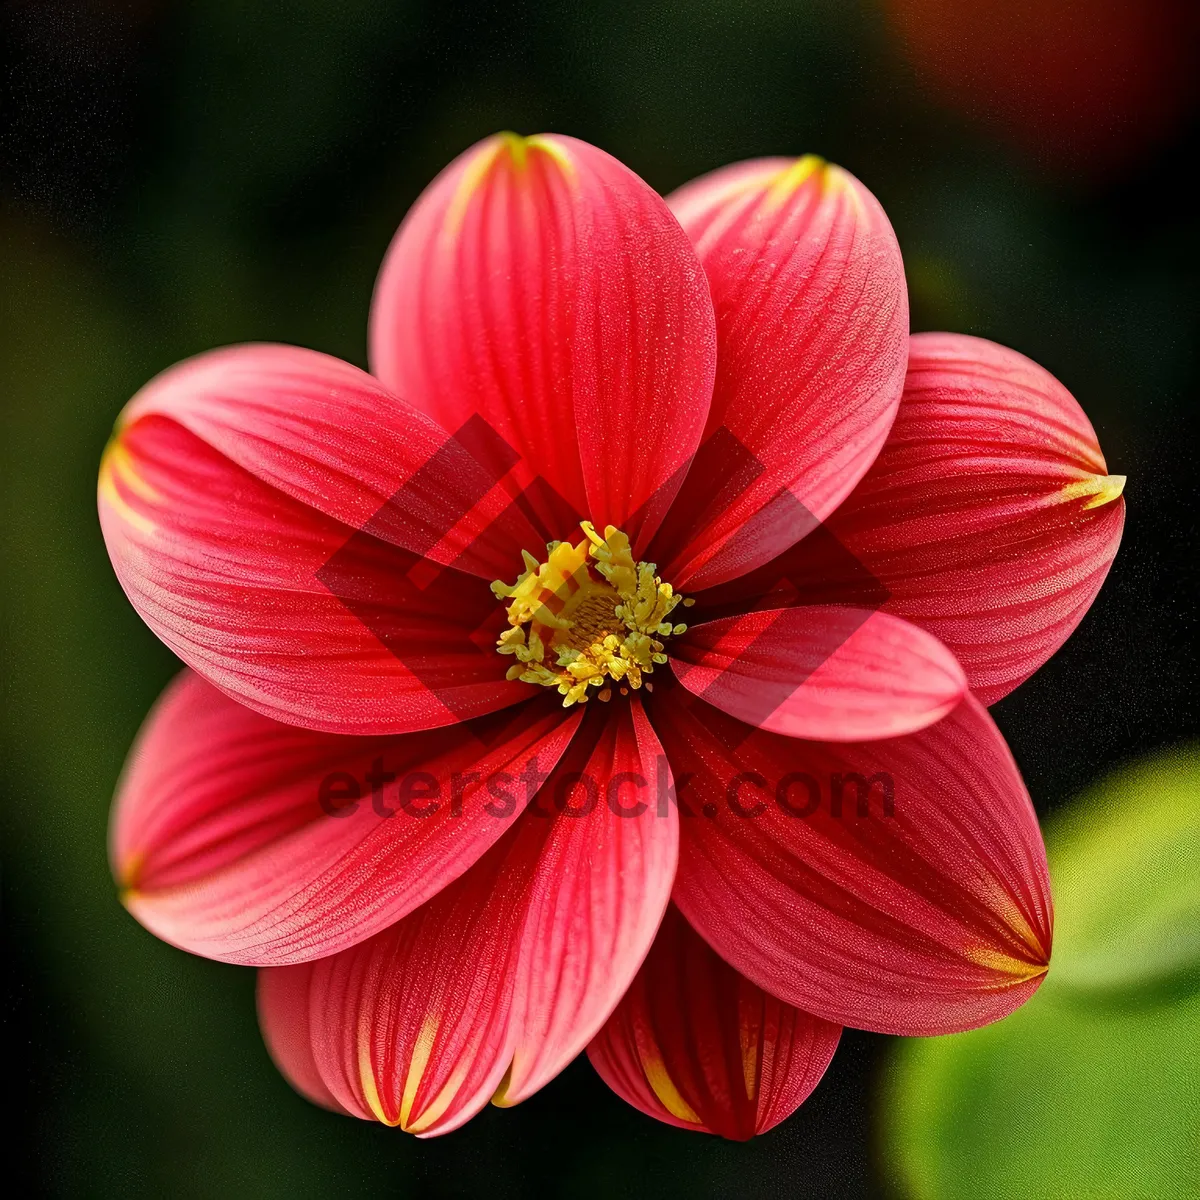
<point>180,175</point>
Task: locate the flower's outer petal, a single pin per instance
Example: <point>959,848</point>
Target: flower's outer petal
<point>287,609</point>
<point>821,672</point>
<point>247,840</point>
<point>496,983</point>
<point>989,517</point>
<point>699,1046</point>
<point>331,436</point>
<point>603,880</point>
<point>283,1016</point>
<point>812,325</point>
<point>412,1027</point>
<point>897,885</point>
<point>541,285</point>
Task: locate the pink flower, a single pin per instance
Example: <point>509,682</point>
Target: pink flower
<point>693,816</point>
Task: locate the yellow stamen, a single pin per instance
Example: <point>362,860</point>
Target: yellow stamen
<point>587,615</point>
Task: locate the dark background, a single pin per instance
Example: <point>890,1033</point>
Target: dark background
<point>177,176</point>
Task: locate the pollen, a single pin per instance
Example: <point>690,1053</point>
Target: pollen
<point>587,617</point>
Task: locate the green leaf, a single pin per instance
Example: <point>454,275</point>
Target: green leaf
<point>1060,1101</point>
<point>1125,864</point>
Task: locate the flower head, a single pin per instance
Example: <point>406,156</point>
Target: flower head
<point>468,827</point>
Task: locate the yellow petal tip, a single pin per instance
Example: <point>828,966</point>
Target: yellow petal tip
<point>786,183</point>
<point>1097,489</point>
<point>500,1097</point>
<point>509,150</point>
<point>520,148</point>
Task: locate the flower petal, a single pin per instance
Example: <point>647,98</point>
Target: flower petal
<point>824,672</point>
<point>922,908</point>
<point>603,880</point>
<point>699,1046</point>
<point>543,286</point>
<point>812,325</point>
<point>283,1016</point>
<point>989,518</point>
<point>497,982</point>
<point>332,437</point>
<point>410,1028</point>
<point>293,611</point>
<point>247,840</point>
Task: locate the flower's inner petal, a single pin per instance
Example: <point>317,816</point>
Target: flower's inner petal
<point>604,875</point>
<point>827,672</point>
<point>812,323</point>
<point>542,287</point>
<point>311,545</point>
<point>286,609</point>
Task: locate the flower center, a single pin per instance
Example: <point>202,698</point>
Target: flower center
<point>586,616</point>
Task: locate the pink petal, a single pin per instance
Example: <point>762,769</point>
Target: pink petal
<point>812,325</point>
<point>283,1014</point>
<point>331,436</point>
<point>540,284</point>
<point>895,885</point>
<point>291,610</point>
<point>699,1046</point>
<point>841,674</point>
<point>411,1027</point>
<point>244,839</point>
<point>989,518</point>
<point>602,885</point>
<point>504,976</point>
